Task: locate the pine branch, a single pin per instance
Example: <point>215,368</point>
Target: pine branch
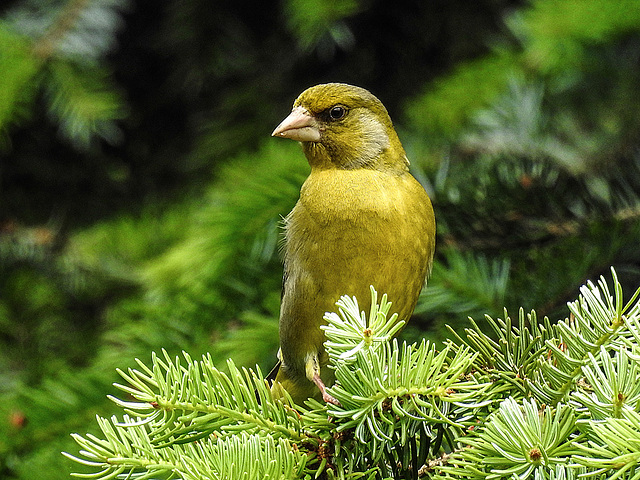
<point>67,18</point>
<point>80,97</point>
<point>380,381</point>
<point>405,410</point>
<point>615,447</point>
<point>545,360</point>
<point>183,403</point>
<point>610,387</point>
<point>598,319</point>
<point>520,440</point>
<point>128,451</point>
<point>83,102</point>
<point>18,84</point>
<point>480,281</point>
<point>511,359</point>
<point>320,25</point>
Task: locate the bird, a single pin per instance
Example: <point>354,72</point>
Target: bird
<point>361,220</point>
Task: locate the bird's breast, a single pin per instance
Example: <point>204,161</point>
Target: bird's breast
<point>353,228</point>
<point>350,230</point>
<point>354,196</point>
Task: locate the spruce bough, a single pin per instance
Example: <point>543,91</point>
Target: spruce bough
<point>532,400</point>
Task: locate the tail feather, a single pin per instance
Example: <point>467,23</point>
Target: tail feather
<point>271,376</point>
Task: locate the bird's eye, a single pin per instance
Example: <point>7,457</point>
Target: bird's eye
<point>337,112</point>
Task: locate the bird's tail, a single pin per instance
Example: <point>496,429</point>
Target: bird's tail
<point>271,376</point>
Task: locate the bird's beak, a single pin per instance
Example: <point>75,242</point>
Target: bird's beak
<point>300,125</point>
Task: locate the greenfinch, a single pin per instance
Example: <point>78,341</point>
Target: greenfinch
<point>362,219</point>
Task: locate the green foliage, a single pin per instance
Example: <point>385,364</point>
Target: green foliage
<point>380,382</point>
<point>83,103</point>
<point>315,22</point>
<point>56,64</point>
<point>521,440</point>
<point>239,456</point>
<point>558,34</point>
<point>232,240</point>
<point>470,410</point>
<point>179,403</point>
<point>481,281</point>
<point>444,109</point>
<point>621,437</point>
<point>43,294</point>
<point>613,382</point>
<point>125,242</point>
<point>556,43</point>
<point>16,83</point>
<point>538,359</point>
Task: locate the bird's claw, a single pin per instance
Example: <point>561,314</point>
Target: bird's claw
<point>330,399</point>
<point>325,396</point>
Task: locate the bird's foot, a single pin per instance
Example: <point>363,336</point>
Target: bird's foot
<point>325,396</point>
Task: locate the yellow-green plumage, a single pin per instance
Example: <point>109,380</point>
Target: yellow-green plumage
<point>361,220</point>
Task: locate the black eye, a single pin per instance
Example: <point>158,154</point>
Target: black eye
<point>337,112</point>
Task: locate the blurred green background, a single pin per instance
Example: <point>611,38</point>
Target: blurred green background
<point>141,194</point>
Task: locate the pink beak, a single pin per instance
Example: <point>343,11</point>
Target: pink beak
<point>300,125</point>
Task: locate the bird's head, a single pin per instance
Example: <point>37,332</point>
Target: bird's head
<point>342,126</point>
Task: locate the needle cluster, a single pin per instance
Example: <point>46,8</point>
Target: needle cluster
<point>533,399</point>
